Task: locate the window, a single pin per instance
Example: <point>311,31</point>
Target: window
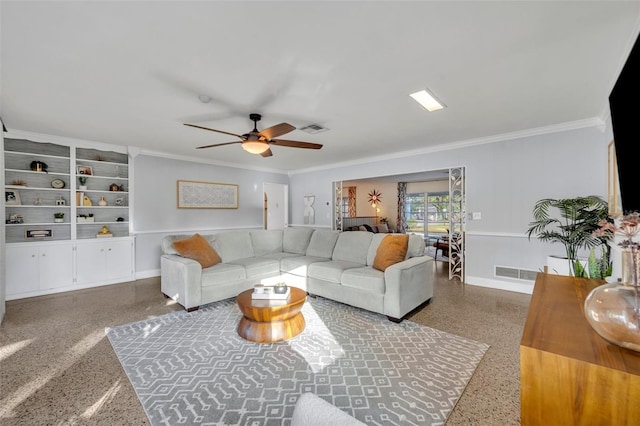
<point>435,223</point>
<point>414,213</point>
<point>438,214</point>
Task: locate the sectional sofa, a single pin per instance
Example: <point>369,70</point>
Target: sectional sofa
<point>332,264</point>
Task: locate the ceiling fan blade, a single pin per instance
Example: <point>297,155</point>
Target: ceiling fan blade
<point>277,130</point>
<point>214,130</point>
<point>217,144</point>
<point>267,153</point>
<point>295,144</point>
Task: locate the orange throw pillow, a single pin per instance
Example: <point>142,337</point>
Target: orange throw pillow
<point>198,249</point>
<point>392,249</point>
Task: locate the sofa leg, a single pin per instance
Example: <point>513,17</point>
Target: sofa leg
<point>312,295</point>
<point>195,308</point>
<point>396,320</point>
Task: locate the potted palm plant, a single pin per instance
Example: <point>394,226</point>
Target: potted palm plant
<point>573,225</point>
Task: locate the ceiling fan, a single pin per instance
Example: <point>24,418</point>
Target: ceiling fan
<point>256,142</point>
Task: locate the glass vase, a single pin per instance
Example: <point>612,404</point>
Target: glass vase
<point>613,310</point>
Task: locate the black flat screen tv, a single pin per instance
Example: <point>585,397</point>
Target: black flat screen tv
<point>624,103</point>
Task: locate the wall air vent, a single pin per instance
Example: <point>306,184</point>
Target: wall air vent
<point>515,273</point>
<point>313,129</point>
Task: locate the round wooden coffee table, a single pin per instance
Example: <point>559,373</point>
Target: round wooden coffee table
<point>267,321</point>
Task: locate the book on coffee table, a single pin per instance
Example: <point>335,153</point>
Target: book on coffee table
<point>268,293</point>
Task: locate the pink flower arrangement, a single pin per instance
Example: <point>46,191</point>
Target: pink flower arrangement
<point>628,227</point>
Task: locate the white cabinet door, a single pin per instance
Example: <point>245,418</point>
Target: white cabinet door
<point>22,270</point>
<point>104,260</point>
<point>118,259</point>
<point>56,266</point>
<point>33,268</point>
<point>90,263</point>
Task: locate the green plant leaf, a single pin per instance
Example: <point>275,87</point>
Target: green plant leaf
<point>594,265</point>
<point>578,269</point>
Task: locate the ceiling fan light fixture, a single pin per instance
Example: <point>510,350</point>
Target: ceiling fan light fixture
<point>427,100</point>
<point>255,147</point>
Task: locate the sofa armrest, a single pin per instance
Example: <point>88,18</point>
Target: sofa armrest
<point>181,280</point>
<point>408,284</point>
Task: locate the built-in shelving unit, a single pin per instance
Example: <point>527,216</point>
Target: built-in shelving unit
<point>30,198</point>
<point>108,181</point>
<point>42,181</point>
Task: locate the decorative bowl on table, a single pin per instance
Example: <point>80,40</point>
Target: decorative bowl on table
<point>280,288</point>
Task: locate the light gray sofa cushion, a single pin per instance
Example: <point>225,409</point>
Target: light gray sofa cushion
<point>298,265</point>
<point>233,245</point>
<point>257,267</point>
<point>266,242</point>
<point>376,239</point>
<point>296,240</point>
<point>222,272</point>
<point>331,270</point>
<point>365,278</point>
<point>416,246</point>
<point>322,243</point>
<point>353,247</point>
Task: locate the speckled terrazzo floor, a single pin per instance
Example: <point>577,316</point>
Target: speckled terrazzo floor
<point>58,368</point>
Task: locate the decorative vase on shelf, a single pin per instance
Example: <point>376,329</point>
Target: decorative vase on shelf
<point>102,202</point>
<point>613,310</point>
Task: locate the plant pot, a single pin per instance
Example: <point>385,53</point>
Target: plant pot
<point>82,187</point>
<point>58,220</point>
<point>561,266</point>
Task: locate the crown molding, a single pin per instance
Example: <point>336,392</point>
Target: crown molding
<point>64,140</point>
<point>207,161</point>
<point>133,151</point>
<point>556,128</point>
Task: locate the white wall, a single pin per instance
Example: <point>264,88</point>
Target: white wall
<point>2,240</point>
<point>504,180</point>
<point>156,211</point>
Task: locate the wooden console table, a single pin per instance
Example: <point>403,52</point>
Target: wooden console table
<point>569,375</point>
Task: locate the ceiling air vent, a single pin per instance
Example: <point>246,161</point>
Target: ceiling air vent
<point>313,129</point>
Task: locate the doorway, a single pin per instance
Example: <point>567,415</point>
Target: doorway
<point>452,182</point>
<point>276,205</point>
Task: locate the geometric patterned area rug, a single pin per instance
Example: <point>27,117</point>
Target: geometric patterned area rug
<point>193,368</point>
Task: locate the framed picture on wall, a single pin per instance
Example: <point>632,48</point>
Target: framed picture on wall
<point>84,170</point>
<point>207,195</point>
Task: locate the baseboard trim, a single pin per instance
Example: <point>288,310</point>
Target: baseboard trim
<point>147,274</point>
<point>518,287</point>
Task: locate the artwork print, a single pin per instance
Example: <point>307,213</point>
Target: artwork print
<point>207,195</point>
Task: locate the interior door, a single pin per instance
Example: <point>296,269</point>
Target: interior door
<point>276,200</point>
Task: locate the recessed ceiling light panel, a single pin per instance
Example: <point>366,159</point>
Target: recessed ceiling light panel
<point>427,100</point>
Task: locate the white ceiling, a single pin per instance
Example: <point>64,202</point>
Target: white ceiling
<point>130,73</point>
